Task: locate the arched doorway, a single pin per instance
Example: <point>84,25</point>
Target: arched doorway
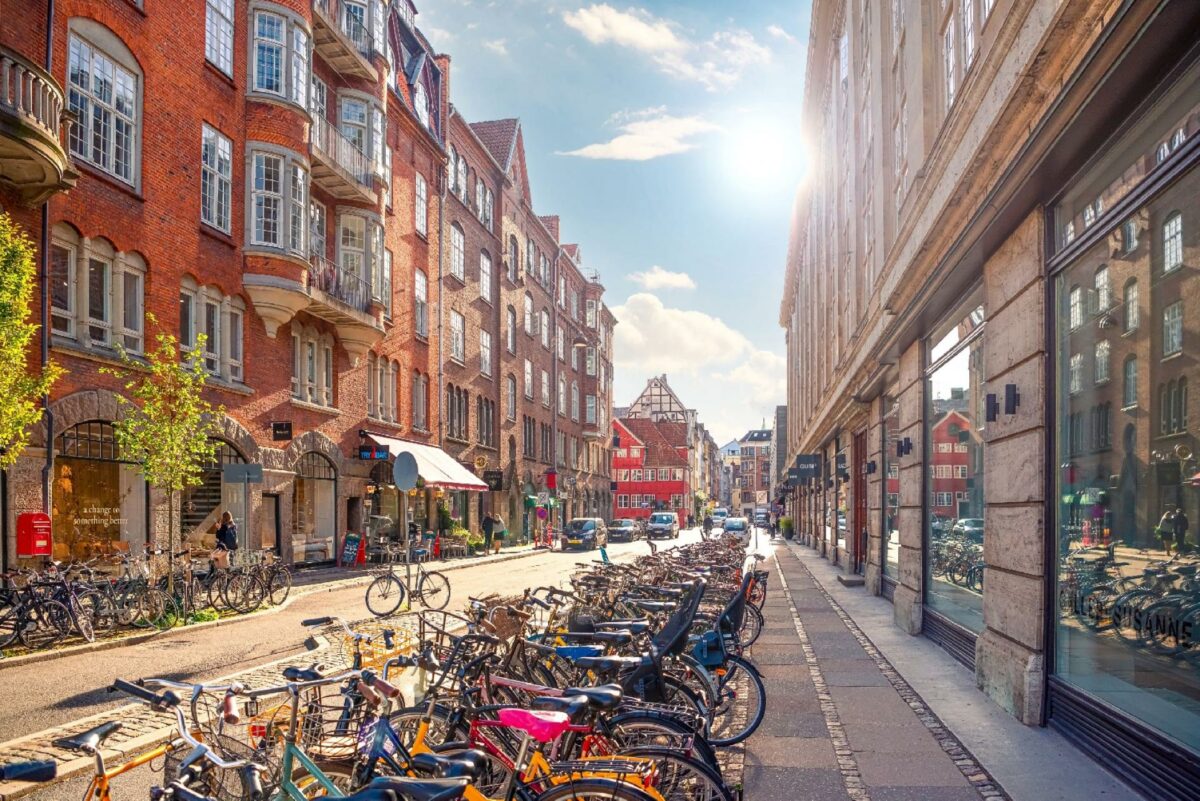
<point>203,504</point>
<point>99,499</point>
<point>386,511</point>
<point>315,509</point>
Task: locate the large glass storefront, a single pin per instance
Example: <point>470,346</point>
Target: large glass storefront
<point>315,501</point>
<point>891,488</point>
<point>954,470</point>
<point>1127,289</point>
<point>99,501</point>
<point>201,506</point>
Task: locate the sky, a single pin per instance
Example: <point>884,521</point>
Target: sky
<point>665,135</point>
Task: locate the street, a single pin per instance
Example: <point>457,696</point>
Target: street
<point>54,693</point>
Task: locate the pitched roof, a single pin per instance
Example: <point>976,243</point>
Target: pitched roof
<point>499,137</point>
<point>660,452</point>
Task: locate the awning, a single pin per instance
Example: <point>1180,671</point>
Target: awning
<point>434,465</point>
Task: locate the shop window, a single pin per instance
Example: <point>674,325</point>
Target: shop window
<point>955,479</point>
<point>98,498</point>
<point>315,509</point>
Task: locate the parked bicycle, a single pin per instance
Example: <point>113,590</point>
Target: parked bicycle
<point>388,591</point>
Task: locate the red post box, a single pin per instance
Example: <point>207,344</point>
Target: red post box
<point>33,535</point>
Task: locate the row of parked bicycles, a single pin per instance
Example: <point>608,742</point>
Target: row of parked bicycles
<point>1158,610</point>
<point>959,559</point>
<point>624,687</point>
<point>39,608</point>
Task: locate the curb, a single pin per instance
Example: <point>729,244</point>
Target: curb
<point>39,657</point>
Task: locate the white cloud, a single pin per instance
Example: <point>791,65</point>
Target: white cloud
<point>647,138</point>
<point>715,63</point>
<point>714,367</point>
<point>438,37</point>
<point>497,46</point>
<point>780,33</point>
<point>658,278</point>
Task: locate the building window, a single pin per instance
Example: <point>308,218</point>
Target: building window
<point>458,258</point>
<point>485,353</point>
<point>1132,315</point>
<point>968,22</point>
<point>103,91</point>
<point>529,318</point>
<point>510,397</point>
<point>949,60</point>
<point>1172,242</point>
<point>485,275</point>
<point>529,379</point>
<point>590,410</point>
<point>1130,379</point>
<point>545,389</point>
<point>1103,290</point>
<point>216,177</point>
<point>1076,300</point>
<point>280,57</point>
<point>458,337</point>
<point>421,206</point>
<point>510,330</point>
<point>590,318</point>
<point>1103,352</point>
<point>1173,329</point>
<point>421,303</point>
<point>575,401</point>
<point>1076,373</point>
<point>591,361</point>
<point>278,201</point>
<point>218,34</point>
<point>514,259</point>
<point>562,396</point>
<point>420,402</point>
<point>312,365</point>
<point>560,344</point>
<point>544,327</point>
<point>97,293</point>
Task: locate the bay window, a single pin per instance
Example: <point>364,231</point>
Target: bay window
<point>277,213</point>
<point>279,56</point>
<point>590,410</point>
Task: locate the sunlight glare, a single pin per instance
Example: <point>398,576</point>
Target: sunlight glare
<point>765,154</point>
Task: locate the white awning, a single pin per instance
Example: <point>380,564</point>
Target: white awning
<point>434,465</point>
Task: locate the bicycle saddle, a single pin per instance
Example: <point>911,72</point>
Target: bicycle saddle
<point>610,637</point>
<point>91,739</point>
<point>312,673</point>
<point>466,765</point>
<point>608,664</point>
<point>634,627</point>
<point>541,725</point>
<point>606,696</point>
<point>402,788</point>
<point>573,706</point>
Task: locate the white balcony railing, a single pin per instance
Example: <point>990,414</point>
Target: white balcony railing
<point>336,281</point>
<point>327,139</point>
<point>350,19</point>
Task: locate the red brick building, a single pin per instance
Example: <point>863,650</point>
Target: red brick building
<point>650,468</point>
<point>287,207</point>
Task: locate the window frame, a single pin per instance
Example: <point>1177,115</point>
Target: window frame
<point>218,48</point>
<point>211,175</point>
<point>82,100</point>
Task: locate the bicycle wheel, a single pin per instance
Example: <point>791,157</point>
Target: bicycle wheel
<point>752,626</point>
<point>100,609</point>
<point>216,596</point>
<point>433,590</point>
<point>645,728</point>
<point>43,623</point>
<point>593,790</point>
<point>10,616</point>
<point>441,727</point>
<point>742,705</point>
<point>280,585</point>
<point>680,777</point>
<point>385,595</point>
<point>81,618</point>
<point>159,609</point>
<point>244,592</point>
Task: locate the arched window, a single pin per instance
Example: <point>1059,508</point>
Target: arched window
<point>1132,314</point>
<point>1172,246</point>
<point>314,503</point>
<point>105,87</point>
<point>510,397</point>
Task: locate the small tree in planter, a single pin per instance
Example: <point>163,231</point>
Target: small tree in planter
<point>20,391</point>
<point>168,427</point>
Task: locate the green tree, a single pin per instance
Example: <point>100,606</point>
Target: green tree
<point>21,391</point>
<point>167,426</point>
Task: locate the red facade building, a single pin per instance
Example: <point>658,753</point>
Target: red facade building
<point>650,468</point>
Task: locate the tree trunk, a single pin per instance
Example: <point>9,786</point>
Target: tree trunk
<point>171,543</point>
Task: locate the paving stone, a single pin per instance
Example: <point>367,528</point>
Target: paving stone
<point>865,677</point>
<point>910,770</point>
<point>895,739</point>
<point>788,638</point>
<point>871,705</point>
<point>790,752</point>
<point>794,784</point>
<point>924,794</point>
<point>801,724</point>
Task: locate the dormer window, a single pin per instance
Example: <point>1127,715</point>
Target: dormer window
<point>421,103</point>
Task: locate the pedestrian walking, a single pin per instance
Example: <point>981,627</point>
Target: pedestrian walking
<point>227,541</point>
<point>498,532</point>
<point>1166,529</point>
<point>1179,524</point>
<point>489,528</point>
<point>707,527</point>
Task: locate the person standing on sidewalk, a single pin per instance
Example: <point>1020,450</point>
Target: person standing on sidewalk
<point>1180,524</point>
<point>489,529</point>
<point>1166,529</point>
<point>498,532</point>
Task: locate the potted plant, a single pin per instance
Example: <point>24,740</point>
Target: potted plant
<point>785,523</point>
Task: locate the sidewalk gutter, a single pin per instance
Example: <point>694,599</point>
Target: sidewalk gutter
<point>1029,762</point>
<point>298,591</point>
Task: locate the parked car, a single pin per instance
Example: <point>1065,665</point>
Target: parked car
<point>970,528</point>
<point>663,524</point>
<point>762,519</point>
<point>586,533</point>
<point>738,526</point>
<point>719,517</point>
<point>624,530</point>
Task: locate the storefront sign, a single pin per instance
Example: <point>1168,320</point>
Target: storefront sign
<point>494,479</point>
<point>242,474</point>
<point>33,535</point>
<point>808,466</point>
<point>281,430</point>
<point>350,548</point>
<point>374,453</point>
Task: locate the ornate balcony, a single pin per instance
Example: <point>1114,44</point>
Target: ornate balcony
<point>338,166</point>
<point>341,37</point>
<point>328,291</point>
<point>33,158</point>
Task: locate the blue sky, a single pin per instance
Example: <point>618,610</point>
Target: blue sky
<point>665,136</point>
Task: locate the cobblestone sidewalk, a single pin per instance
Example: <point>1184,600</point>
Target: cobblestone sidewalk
<point>840,722</point>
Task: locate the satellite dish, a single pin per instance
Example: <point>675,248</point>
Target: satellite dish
<point>404,471</point>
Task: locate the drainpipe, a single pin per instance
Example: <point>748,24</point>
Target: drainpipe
<point>554,362</point>
<point>441,375</point>
<point>48,468</point>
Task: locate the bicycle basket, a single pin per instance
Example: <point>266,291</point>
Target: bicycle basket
<point>395,636</point>
<point>227,785</point>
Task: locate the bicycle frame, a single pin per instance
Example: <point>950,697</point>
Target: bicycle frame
<point>99,788</point>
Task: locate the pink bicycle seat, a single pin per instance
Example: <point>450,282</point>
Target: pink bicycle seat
<point>541,725</point>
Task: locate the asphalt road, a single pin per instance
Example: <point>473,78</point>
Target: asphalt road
<point>39,696</point>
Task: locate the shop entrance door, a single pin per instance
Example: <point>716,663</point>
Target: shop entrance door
<point>860,502</point>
